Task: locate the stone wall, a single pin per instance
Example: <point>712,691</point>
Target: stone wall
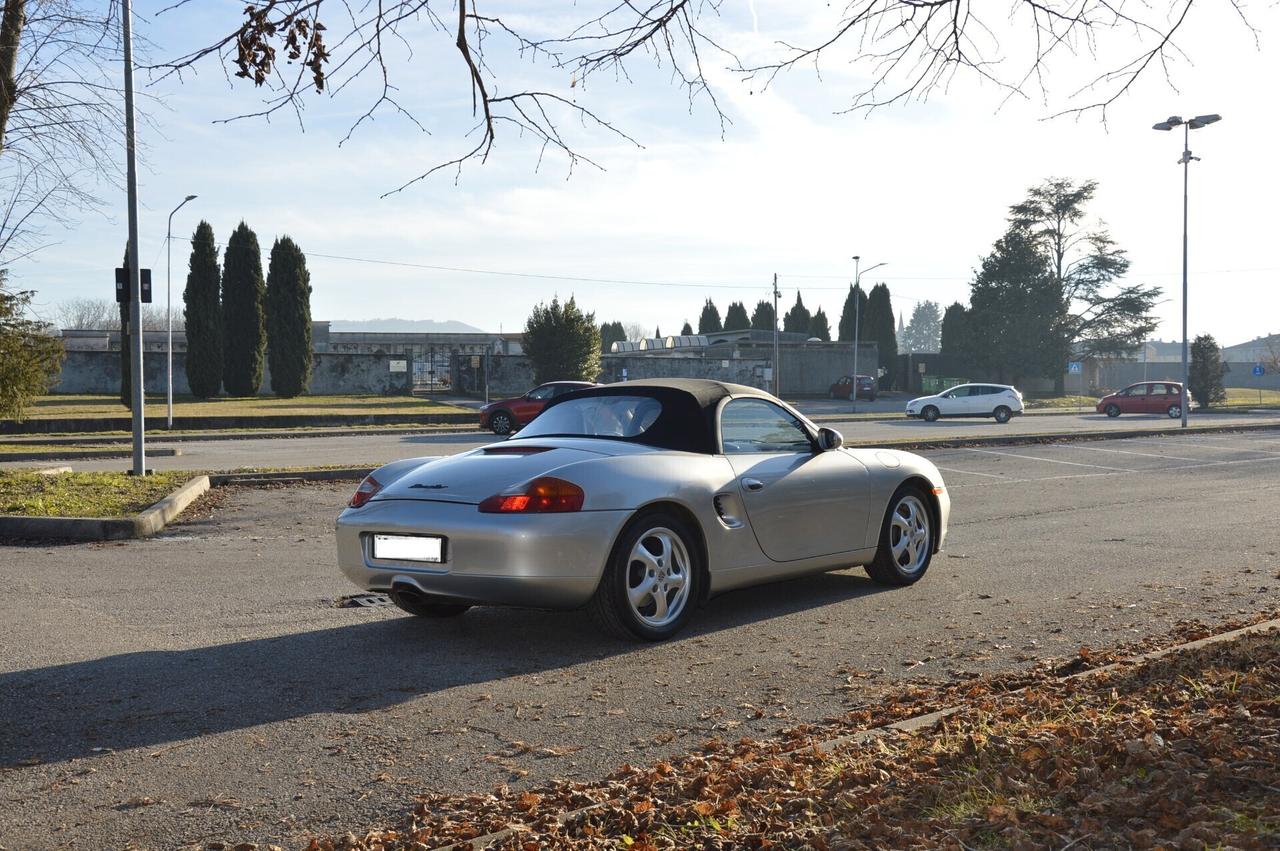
<point>1118,374</point>
<point>331,374</point>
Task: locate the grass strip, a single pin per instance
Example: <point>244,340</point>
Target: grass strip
<point>73,406</point>
<point>84,494</point>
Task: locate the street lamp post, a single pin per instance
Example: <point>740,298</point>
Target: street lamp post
<point>857,320</point>
<point>168,289</point>
<point>1187,126</point>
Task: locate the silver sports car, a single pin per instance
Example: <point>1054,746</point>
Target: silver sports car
<point>640,500</point>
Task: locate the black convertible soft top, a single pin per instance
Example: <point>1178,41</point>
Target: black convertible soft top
<point>688,419</point>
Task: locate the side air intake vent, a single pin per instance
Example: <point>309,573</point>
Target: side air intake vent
<point>727,508</point>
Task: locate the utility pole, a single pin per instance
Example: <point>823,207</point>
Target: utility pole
<point>135,267</point>
<point>777,376</point>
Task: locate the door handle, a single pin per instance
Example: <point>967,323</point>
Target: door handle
<point>753,484</point>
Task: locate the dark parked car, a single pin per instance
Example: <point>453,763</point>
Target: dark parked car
<point>843,388</point>
<point>1146,397</point>
<point>507,415</point>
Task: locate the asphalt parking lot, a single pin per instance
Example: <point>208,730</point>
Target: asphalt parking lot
<point>203,686</point>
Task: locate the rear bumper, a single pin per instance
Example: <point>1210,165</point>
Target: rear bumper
<point>544,560</point>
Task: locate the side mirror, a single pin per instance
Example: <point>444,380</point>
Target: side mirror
<point>829,438</point>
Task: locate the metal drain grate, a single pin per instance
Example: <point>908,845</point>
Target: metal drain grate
<point>362,601</point>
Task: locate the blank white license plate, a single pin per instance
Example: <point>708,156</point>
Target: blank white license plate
<point>409,548</point>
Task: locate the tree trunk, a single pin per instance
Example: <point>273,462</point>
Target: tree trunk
<point>14,17</point>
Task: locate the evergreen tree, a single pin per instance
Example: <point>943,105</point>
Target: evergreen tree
<point>30,356</point>
<point>709,321</point>
<point>735,318</point>
<point>925,331</point>
<point>657,332</point>
<point>797,319</point>
<point>819,326</point>
<point>686,330</point>
<point>243,321</point>
<point>955,333</point>
<point>1014,309</point>
<point>1204,379</point>
<point>762,317</point>
<point>878,326</point>
<point>203,315</point>
<point>610,333</point>
<point>855,304</point>
<point>562,342</point>
<point>288,308</point>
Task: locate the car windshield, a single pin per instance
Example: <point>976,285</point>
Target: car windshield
<point>597,416</point>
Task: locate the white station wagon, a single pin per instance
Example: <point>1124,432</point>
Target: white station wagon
<point>969,400</point>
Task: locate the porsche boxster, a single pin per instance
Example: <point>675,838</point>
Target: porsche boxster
<point>640,500</point>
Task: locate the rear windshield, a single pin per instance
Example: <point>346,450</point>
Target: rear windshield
<point>597,416</point>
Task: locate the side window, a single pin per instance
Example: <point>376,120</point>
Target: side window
<point>542,392</point>
<point>1158,390</point>
<point>755,425</point>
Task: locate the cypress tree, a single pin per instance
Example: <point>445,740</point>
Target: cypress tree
<point>819,326</point>
<point>203,314</point>
<point>955,334</point>
<point>797,318</point>
<point>687,330</point>
<point>762,317</point>
<point>855,305</point>
<point>288,319</point>
<point>243,323</point>
<point>735,318</point>
<point>126,357</point>
<point>709,321</point>
<point>878,325</point>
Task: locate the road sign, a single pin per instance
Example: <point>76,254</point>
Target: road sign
<point>1258,370</point>
<point>475,361</point>
<point>1075,367</point>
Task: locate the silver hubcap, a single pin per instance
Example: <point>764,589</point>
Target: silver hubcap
<point>501,422</point>
<point>1174,412</point>
<point>909,534</point>
<point>658,577</point>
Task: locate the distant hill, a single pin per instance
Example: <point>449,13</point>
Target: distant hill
<point>409,326</point>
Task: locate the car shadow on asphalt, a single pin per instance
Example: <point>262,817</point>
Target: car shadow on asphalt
<point>147,698</point>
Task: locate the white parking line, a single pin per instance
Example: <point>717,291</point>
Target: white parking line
<point>1184,441</point>
<point>1123,452</point>
<point>1173,469</point>
<point>971,473</point>
<point>1049,460</point>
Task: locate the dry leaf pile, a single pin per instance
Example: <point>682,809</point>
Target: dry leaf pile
<point>1182,752</point>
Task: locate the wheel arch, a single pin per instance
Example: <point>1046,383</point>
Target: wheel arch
<point>925,487</point>
<point>691,520</point>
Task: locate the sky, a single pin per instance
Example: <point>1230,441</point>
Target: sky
<point>791,186</point>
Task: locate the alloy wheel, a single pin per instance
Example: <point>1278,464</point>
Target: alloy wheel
<point>909,534</point>
<point>658,577</point>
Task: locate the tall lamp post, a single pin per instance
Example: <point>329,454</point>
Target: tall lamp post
<point>168,288</point>
<point>857,319</point>
<point>1187,126</point>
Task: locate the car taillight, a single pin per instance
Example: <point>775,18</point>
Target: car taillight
<point>365,492</point>
<point>543,495</point>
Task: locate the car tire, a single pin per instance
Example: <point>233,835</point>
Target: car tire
<point>502,422</point>
<point>416,604</point>
<point>634,600</point>
<point>907,532</point>
<point>1002,414</point>
<point>1112,411</point>
<point>1174,412</point>
<point>929,414</point>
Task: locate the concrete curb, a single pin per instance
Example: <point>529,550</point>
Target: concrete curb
<point>282,434</point>
<point>89,425</point>
<point>249,477</point>
<point>907,725</point>
<point>83,455</point>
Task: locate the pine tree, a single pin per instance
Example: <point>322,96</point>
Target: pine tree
<point>762,317</point>
<point>30,356</point>
<point>288,307</point>
<point>735,318</point>
<point>709,321</point>
<point>855,297</point>
<point>925,330</point>
<point>955,334</point>
<point>687,330</point>
<point>610,333</point>
<point>203,315</point>
<point>797,319</point>
<point>819,326</point>
<point>1204,382</point>
<point>878,327</point>
<point>562,342</point>
<point>243,321</point>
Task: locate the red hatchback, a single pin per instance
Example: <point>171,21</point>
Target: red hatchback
<point>1146,397</point>
<point>843,389</point>
<point>507,415</point>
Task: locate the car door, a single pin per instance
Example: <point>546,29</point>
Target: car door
<point>1158,398</point>
<point>531,404</point>
<point>961,401</point>
<point>801,503</point>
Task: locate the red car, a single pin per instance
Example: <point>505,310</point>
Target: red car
<point>507,415</point>
<point>866,388</point>
<point>1146,397</point>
